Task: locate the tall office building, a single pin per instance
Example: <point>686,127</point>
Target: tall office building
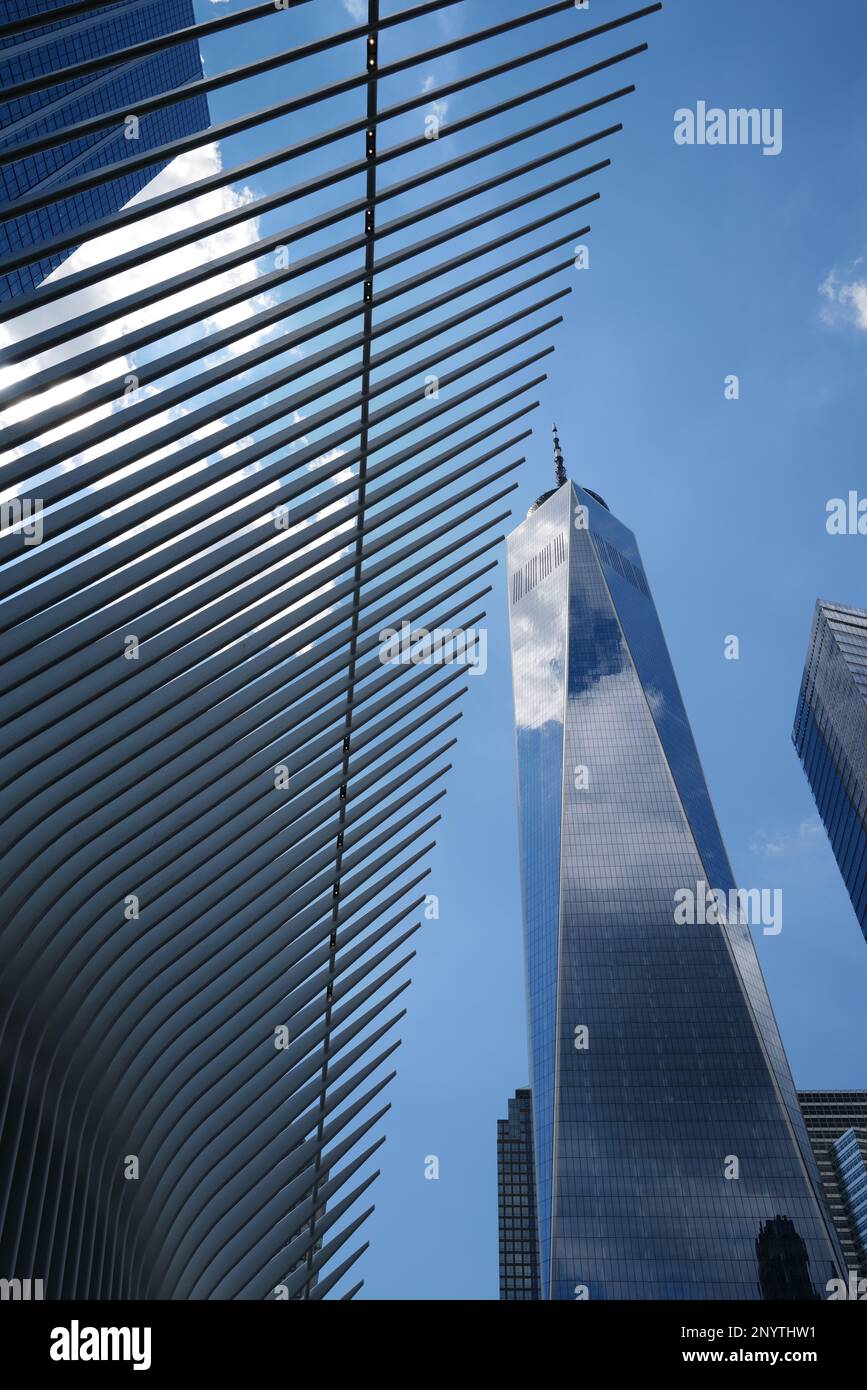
<point>837,1125</point>
<point>672,1160</point>
<point>516,1200</point>
<point>830,735</point>
<point>27,56</point>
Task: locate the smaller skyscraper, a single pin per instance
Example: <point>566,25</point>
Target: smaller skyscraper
<point>837,1125</point>
<point>516,1195</point>
<point>830,735</point>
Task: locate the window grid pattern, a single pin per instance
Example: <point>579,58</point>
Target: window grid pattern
<point>830,735</point>
<point>853,1176</point>
<point>837,1125</point>
<point>516,1200</point>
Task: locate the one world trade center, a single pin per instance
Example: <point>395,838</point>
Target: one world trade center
<point>671,1160</point>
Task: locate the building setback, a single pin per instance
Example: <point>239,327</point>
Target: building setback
<point>516,1200</point>
<point>672,1160</point>
<point>837,1125</point>
<point>830,735</point>
<point>51,47</point>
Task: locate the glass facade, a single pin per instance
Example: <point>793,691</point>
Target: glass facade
<point>849,1157</point>
<point>837,1125</point>
<point>671,1156</point>
<point>516,1201</point>
<point>29,55</point>
<point>830,735</point>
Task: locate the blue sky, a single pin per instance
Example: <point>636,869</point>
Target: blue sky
<point>704,262</point>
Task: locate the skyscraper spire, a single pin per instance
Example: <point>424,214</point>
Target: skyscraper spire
<point>559,465</point>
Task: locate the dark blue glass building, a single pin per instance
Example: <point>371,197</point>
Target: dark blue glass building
<point>516,1202</point>
<point>672,1160</point>
<point>837,1125</point>
<point>830,735</point>
<point>30,54</point>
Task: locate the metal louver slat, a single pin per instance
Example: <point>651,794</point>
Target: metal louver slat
<point>257,426</point>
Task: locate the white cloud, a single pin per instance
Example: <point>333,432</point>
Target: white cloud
<point>356,9</point>
<point>845,295</point>
<point>187,168</point>
<point>783,845</point>
<point>436,108</point>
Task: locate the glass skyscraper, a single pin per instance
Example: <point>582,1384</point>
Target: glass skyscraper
<point>516,1201</point>
<point>830,735</point>
<point>837,1125</point>
<point>49,48</point>
<point>671,1156</point>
